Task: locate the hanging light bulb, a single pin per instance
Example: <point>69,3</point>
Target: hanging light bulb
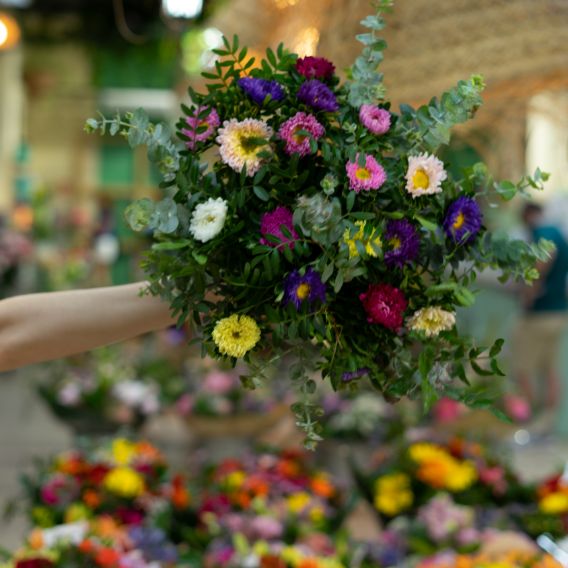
<point>182,8</point>
<point>9,32</point>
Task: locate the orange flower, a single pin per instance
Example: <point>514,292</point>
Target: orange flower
<point>148,451</point>
<point>87,546</point>
<point>180,495</point>
<point>434,473</point>
<point>322,486</point>
<point>107,527</point>
<point>107,557</point>
<point>72,465</point>
<point>35,540</point>
<point>242,499</point>
<point>288,468</point>
<point>272,562</point>
<point>257,486</point>
<point>91,498</point>
<point>309,563</point>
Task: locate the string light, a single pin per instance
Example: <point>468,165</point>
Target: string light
<point>9,32</point>
<point>183,8</point>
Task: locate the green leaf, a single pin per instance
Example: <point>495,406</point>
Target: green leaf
<point>261,193</point>
<point>172,245</point>
<point>429,225</point>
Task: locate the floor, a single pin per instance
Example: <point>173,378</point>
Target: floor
<point>28,432</point>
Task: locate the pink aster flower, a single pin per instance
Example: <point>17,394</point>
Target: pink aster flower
<point>384,305</point>
<point>272,223</point>
<point>296,141</point>
<point>370,176</point>
<point>200,129</point>
<point>374,119</point>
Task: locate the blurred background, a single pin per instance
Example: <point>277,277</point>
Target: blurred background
<point>63,193</point>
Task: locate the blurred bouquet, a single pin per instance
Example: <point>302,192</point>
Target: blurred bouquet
<point>99,543</point>
<point>413,475</point>
<point>129,481</point>
<point>326,227</point>
<point>107,389</point>
<point>509,559</point>
<point>275,499</point>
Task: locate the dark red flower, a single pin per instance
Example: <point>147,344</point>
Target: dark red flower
<point>315,67</point>
<point>34,563</point>
<point>384,305</point>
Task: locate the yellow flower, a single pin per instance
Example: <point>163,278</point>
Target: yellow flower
<point>298,502</point>
<point>554,504</point>
<point>431,321</point>
<point>393,494</point>
<point>77,512</point>
<point>236,335</point>
<point>370,243</point>
<point>125,482</point>
<point>235,479</point>
<point>461,476</point>
<point>123,451</point>
<point>42,517</point>
<point>317,515</point>
<point>425,451</point>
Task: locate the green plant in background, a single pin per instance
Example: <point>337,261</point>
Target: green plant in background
<point>328,229</point>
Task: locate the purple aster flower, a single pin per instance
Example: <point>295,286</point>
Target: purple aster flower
<point>403,241</point>
<point>291,133</point>
<point>272,223</point>
<point>463,220</point>
<point>307,288</point>
<point>317,95</point>
<point>200,126</point>
<point>349,376</point>
<point>258,89</point>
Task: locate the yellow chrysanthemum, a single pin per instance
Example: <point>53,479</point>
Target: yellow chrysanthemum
<point>123,451</point>
<point>461,476</point>
<point>240,143</point>
<point>393,494</point>
<point>125,482</point>
<point>431,321</point>
<point>370,243</point>
<point>554,504</point>
<point>236,335</point>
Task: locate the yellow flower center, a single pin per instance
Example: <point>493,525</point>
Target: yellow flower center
<point>303,291</point>
<point>460,220</point>
<point>298,138</point>
<point>395,243</point>
<point>362,173</point>
<point>420,179</point>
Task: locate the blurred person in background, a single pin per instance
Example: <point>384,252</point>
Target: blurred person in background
<point>544,319</point>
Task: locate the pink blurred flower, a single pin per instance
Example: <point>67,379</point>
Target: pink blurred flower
<point>517,408</point>
<point>447,410</point>
<point>266,528</point>
<point>184,405</point>
<point>59,490</point>
<point>218,382</point>
<point>494,477</point>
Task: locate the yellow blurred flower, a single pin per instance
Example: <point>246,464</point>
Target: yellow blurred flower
<point>425,451</point>
<point>77,512</point>
<point>393,494</point>
<point>123,451</point>
<point>235,479</point>
<point>554,503</point>
<point>125,482</point>
<point>298,502</point>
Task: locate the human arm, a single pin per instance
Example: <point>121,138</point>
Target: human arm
<point>41,327</point>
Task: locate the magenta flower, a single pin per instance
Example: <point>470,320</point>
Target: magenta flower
<point>384,305</point>
<point>370,176</point>
<point>376,120</point>
<point>272,223</point>
<point>298,131</point>
<point>315,67</point>
<point>200,128</point>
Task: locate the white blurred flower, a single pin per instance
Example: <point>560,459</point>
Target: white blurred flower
<point>69,395</point>
<point>132,393</point>
<point>208,219</point>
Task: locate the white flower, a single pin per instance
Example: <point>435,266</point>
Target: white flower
<point>208,219</point>
<point>425,175</point>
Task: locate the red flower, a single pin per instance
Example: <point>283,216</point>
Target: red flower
<point>384,305</point>
<point>34,563</point>
<point>315,67</point>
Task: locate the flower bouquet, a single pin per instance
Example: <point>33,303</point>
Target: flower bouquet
<point>276,499</point>
<point>216,405</point>
<point>103,391</point>
<point>101,542</point>
<point>416,474</point>
<point>324,224</point>
<point>124,479</point>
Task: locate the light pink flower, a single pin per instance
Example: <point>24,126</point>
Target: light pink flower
<point>376,120</point>
<point>218,382</point>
